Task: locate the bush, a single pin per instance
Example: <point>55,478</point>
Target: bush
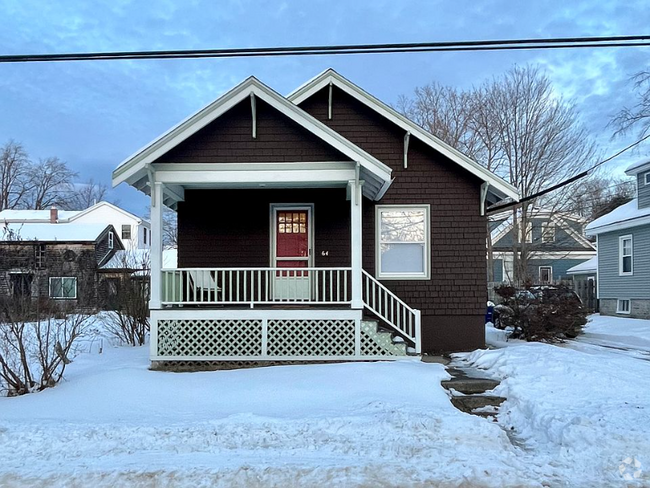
<point>544,314</point>
<point>37,342</point>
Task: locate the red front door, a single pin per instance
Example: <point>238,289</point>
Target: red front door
<point>292,244</point>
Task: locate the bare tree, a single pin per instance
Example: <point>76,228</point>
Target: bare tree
<point>599,194</point>
<point>638,115</point>
<point>49,184</point>
<point>14,172</point>
<point>84,195</point>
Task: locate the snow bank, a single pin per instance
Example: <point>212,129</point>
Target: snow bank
<point>580,414</point>
<point>618,331</point>
<point>115,423</point>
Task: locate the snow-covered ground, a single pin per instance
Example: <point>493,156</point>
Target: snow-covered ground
<point>582,410</point>
<point>571,418</point>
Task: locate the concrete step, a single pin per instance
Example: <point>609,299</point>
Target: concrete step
<point>469,403</point>
<point>470,385</point>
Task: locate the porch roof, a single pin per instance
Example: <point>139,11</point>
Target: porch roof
<point>139,169</point>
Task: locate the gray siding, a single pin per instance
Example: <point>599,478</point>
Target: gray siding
<point>643,190</point>
<point>560,267</point>
<point>611,284</point>
<point>563,240</point>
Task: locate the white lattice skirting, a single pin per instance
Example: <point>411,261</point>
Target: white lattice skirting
<point>189,337</point>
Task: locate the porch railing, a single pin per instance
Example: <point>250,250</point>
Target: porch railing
<point>256,286</point>
<point>391,309</point>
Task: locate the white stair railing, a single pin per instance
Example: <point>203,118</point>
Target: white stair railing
<point>392,310</point>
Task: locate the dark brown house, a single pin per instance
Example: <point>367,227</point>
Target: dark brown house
<point>323,225</point>
<point>55,261</point>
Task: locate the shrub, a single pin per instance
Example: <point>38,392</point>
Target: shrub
<point>545,314</point>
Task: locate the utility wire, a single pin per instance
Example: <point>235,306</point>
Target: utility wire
<point>480,45</point>
<point>499,208</point>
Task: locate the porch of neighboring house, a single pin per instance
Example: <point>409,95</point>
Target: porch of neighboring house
<point>270,269</point>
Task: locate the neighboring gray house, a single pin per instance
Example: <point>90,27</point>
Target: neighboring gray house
<point>623,239</point>
<point>554,241</point>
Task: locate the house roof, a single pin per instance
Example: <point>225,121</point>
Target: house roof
<point>77,214</point>
<point>498,187</point>
<point>589,266</point>
<point>623,217</point>
<point>69,232</point>
<point>638,167</point>
<point>134,170</point>
<point>34,215</point>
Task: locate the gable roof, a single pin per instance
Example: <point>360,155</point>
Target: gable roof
<point>77,214</point>
<point>589,266</point>
<point>498,187</point>
<point>135,168</point>
<point>627,215</point>
<point>52,232</point>
<point>638,167</point>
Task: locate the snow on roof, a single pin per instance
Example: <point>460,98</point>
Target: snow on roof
<point>51,232</point>
<point>637,167</point>
<point>591,265</point>
<point>35,215</point>
<point>627,215</point>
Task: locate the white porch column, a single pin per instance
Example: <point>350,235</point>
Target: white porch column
<point>355,242</point>
<point>156,245</point>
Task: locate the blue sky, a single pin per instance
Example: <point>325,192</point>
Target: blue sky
<point>94,114</point>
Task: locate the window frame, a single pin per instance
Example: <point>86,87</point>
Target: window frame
<point>550,274</point>
<point>130,229</point>
<point>40,251</point>
<point>646,178</point>
<point>548,228</point>
<point>76,289</point>
<point>111,240</point>
<point>426,274</point>
<point>620,310</point>
<point>621,240</point>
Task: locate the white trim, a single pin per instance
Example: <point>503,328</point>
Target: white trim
<point>426,275</point>
<point>619,302</point>
<point>646,178</point>
<point>597,272</point>
<point>132,169</point>
<point>356,242</point>
<point>111,239</point>
<point>156,245</point>
<point>76,284</point>
<point>550,268</point>
<point>548,227</point>
<point>623,224</point>
<point>621,240</point>
<point>330,76</point>
<point>110,205</point>
<point>584,255</point>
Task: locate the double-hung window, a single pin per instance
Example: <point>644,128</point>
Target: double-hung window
<point>626,261</point>
<point>403,242</point>
<point>548,232</point>
<point>63,288</point>
<point>111,239</point>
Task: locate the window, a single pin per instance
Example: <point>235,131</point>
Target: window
<point>623,306</point>
<point>529,232</point>
<point>39,256</point>
<point>647,178</point>
<point>625,255</point>
<point>126,232</point>
<point>548,232</point>
<point>403,241</point>
<point>145,234</point>
<point>21,284</point>
<point>64,288</point>
<point>545,275</point>
<point>110,240</point>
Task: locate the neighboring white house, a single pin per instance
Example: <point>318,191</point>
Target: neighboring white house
<point>134,232</point>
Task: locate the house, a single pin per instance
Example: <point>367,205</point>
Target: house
<point>55,261</point>
<point>553,242</point>
<point>623,241</point>
<point>584,282</point>
<point>134,232</point>
<point>318,226</point>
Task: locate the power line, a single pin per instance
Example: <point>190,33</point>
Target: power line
<point>579,176</point>
<point>415,47</point>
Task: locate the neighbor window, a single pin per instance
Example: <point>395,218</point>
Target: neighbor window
<point>529,233</point>
<point>403,241</point>
<point>625,255</point>
<point>39,256</point>
<point>126,232</point>
<point>110,240</point>
<point>545,274</point>
<point>64,288</point>
<point>145,235</point>
<point>647,178</point>
<point>623,306</point>
<point>548,232</point>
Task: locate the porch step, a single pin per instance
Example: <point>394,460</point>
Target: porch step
<point>388,343</point>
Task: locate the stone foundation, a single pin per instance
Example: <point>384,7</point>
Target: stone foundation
<point>639,308</point>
